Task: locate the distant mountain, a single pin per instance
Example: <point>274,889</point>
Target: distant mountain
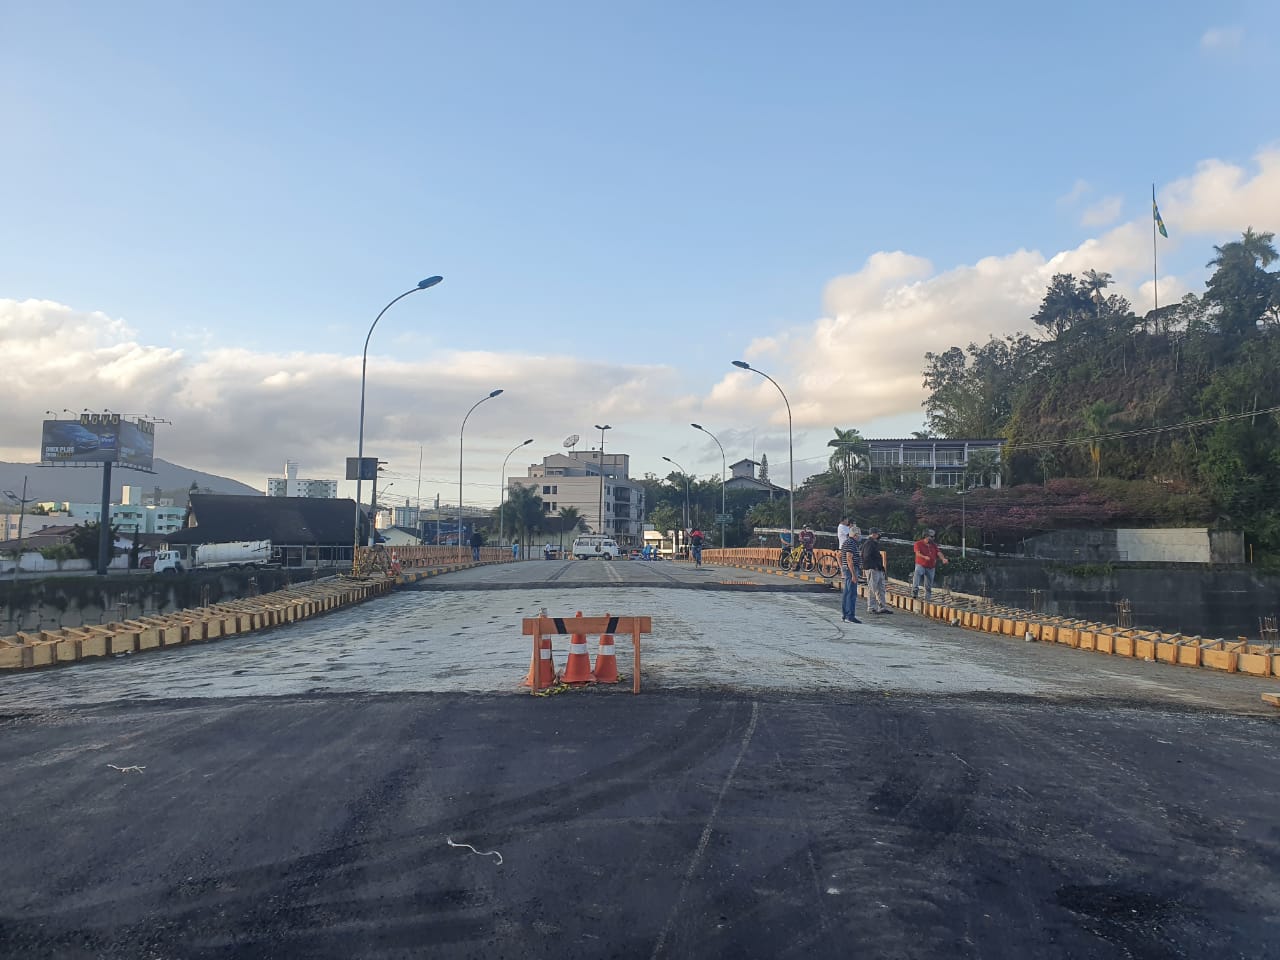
<point>84,484</point>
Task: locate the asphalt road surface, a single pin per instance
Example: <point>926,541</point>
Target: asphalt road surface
<point>240,799</point>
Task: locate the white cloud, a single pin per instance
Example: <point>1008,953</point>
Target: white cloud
<point>1222,38</point>
<point>1103,212</point>
<point>241,414</point>
<point>1079,190</point>
<point>862,362</point>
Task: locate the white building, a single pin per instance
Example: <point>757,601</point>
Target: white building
<point>587,482</point>
<point>290,486</point>
<point>129,518</point>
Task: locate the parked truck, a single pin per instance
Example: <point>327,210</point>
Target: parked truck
<point>210,556</point>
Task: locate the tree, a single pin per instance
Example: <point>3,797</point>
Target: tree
<point>1241,288</point>
<point>570,521</point>
<point>84,540</point>
<point>849,457</point>
<point>1097,420</point>
<point>983,466</point>
<point>1046,461</point>
<point>764,467</point>
<point>523,513</point>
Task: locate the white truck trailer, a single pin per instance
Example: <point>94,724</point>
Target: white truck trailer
<point>210,556</point>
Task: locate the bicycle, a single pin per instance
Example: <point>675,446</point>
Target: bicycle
<point>799,558</point>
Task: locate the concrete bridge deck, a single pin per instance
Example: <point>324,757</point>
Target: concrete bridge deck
<point>786,785</point>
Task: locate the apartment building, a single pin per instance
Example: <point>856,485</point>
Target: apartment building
<point>291,486</point>
<point>589,482</point>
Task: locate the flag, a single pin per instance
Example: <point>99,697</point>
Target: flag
<point>1155,214</point>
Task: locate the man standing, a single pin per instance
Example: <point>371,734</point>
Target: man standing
<point>851,564</point>
<point>873,563</point>
<point>695,541</point>
<point>927,557</point>
<point>842,531</point>
<point>477,541</point>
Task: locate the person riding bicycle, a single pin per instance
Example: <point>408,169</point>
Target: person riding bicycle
<point>806,541</point>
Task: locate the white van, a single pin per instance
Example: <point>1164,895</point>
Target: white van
<point>595,545</point>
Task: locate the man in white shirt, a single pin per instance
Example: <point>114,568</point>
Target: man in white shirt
<point>842,532</point>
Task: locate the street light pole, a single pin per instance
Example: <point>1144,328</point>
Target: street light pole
<point>461,432</point>
<point>686,498</point>
<point>791,457</point>
<point>502,488</point>
<point>602,429</point>
<point>723,470</point>
<point>22,514</point>
<point>364,363</point>
<point>963,545</point>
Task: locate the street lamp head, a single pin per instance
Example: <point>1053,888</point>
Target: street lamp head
<point>605,427</point>
<point>697,426</point>
<point>429,282</point>
<point>742,363</point>
<point>495,393</point>
<point>668,459</point>
<point>527,442</point>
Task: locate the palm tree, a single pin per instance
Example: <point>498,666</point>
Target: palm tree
<point>849,457</point>
<point>983,465</point>
<point>523,511</point>
<point>1046,461</point>
<point>570,520</point>
<point>1097,420</point>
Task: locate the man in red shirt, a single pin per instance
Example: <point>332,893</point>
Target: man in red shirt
<point>927,557</point>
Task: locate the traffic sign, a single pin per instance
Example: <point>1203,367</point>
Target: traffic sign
<point>724,518</point>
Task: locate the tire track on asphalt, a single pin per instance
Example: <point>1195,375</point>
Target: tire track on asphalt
<point>706,832</point>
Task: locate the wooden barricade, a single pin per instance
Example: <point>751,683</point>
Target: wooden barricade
<point>539,627</point>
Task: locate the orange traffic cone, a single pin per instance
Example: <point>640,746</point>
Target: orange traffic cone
<point>606,663</point>
<point>542,671</point>
<point>578,669</point>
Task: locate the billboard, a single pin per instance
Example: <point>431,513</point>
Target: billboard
<point>99,438</point>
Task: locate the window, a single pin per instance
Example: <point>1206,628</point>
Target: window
<point>548,489</point>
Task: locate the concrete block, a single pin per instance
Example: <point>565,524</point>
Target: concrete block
<point>1086,639</point>
<point>1104,642</point>
<point>1257,664</point>
<point>1144,648</point>
<point>1189,655</point>
<point>69,650</point>
<point>149,638</point>
<point>44,654</point>
<point>1067,635</point>
<point>11,658</point>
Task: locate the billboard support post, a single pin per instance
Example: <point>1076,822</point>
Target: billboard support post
<point>104,521</point>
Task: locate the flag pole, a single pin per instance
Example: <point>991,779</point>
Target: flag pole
<point>1155,269</point>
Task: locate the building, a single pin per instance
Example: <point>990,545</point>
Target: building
<point>128,517</point>
<point>743,477</point>
<point>945,460</point>
<point>585,481</point>
<point>304,531</point>
<point>290,486</point>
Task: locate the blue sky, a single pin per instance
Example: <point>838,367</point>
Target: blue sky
<point>653,188</point>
